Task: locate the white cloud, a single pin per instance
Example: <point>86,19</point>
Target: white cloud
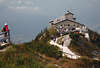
<point>17,7</point>
<point>36,8</point>
<point>26,8</point>
<point>20,5</point>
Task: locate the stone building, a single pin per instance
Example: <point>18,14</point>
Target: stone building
<point>65,22</point>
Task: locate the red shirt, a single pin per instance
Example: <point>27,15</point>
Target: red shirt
<point>5,28</point>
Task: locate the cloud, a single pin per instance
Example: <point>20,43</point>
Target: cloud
<point>25,8</point>
<point>36,8</point>
<point>20,5</point>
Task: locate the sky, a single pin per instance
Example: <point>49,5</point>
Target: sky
<point>26,18</point>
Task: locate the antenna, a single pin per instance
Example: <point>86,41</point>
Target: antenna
<point>50,18</point>
<point>65,11</point>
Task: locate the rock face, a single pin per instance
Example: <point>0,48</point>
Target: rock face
<point>64,47</point>
<point>87,36</point>
<point>67,40</point>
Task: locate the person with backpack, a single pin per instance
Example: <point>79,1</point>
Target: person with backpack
<point>5,30</point>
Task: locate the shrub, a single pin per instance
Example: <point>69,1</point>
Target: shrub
<point>18,57</point>
<point>45,48</point>
<point>40,44</point>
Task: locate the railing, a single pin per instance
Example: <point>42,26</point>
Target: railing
<point>5,36</point>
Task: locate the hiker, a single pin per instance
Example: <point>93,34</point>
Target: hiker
<point>5,30</point>
<point>54,39</point>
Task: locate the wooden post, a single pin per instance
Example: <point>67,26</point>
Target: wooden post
<point>9,37</point>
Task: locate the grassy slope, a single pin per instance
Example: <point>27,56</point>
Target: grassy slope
<point>40,54</point>
<point>22,56</point>
<point>19,57</point>
<point>85,47</point>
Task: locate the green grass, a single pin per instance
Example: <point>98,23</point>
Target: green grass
<point>18,57</point>
<point>35,54</point>
<point>28,55</point>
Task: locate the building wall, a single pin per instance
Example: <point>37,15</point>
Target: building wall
<point>66,24</point>
<point>69,16</point>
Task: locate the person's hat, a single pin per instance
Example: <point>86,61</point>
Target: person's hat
<point>5,24</point>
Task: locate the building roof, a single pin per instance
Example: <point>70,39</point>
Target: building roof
<point>63,18</point>
<point>66,20</point>
<point>68,12</point>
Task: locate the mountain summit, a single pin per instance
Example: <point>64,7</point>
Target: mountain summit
<point>65,44</point>
<point>74,35</point>
<point>75,40</point>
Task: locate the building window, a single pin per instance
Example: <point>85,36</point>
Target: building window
<point>74,25</point>
<point>52,24</point>
<point>68,24</point>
